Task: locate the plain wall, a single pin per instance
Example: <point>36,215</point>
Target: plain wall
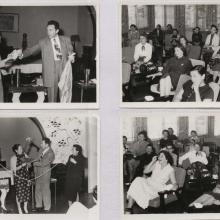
<point>15,131</point>
<point>33,20</point>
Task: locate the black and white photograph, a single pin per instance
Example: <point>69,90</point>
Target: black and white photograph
<point>48,54</point>
<point>170,163</point>
<point>170,53</point>
<point>49,165</point>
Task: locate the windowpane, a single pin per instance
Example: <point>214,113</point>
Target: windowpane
<point>132,15</point>
<point>199,124</point>
<point>154,127</point>
<point>190,16</point>
<point>216,126</point>
<point>159,15</point>
<point>142,19</point>
<point>170,15</point>
<point>201,16</point>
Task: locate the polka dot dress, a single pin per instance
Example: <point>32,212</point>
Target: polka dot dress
<point>22,187</point>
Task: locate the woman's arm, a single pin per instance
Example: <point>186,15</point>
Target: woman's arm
<point>173,180</point>
<point>149,168</point>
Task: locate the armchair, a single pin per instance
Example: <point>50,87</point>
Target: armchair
<point>169,196</point>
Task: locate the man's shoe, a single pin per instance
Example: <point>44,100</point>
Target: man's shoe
<point>46,211</point>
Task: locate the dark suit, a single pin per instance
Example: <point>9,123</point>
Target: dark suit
<point>42,175</point>
<point>51,69</point>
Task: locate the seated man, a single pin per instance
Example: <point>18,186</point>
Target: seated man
<point>143,50</point>
<point>211,43</point>
<point>195,155</point>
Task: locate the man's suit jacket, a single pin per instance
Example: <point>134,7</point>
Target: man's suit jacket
<point>45,47</point>
<point>44,165</point>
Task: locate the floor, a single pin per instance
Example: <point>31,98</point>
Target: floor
<point>60,208</point>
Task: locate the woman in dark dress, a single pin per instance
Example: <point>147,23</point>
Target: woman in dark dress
<point>19,167</point>
<point>196,89</point>
<point>74,174</point>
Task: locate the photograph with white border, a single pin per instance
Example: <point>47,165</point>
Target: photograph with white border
<point>49,164</point>
<point>169,164</point>
<point>164,50</point>
<point>49,54</point>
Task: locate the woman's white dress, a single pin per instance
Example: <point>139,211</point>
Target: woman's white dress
<point>142,190</point>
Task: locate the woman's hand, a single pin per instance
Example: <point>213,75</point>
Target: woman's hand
<point>154,159</point>
<point>73,160</point>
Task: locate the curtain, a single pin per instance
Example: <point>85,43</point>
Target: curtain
<point>151,17</point>
<point>183,124</point>
<point>211,126</point>
<point>211,15</point>
<point>180,18</point>
<point>140,124</point>
<point>124,19</point>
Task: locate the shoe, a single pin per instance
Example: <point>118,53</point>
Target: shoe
<point>38,209</point>
<point>46,211</point>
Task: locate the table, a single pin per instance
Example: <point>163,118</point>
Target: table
<point>27,68</point>
<point>17,91</point>
<point>83,86</point>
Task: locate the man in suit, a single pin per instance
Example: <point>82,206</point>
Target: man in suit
<point>42,169</point>
<point>55,51</point>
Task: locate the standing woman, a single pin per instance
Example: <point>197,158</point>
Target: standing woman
<point>74,174</point>
<point>20,170</point>
<point>133,35</point>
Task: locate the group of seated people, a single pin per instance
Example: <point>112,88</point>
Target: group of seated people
<point>177,57</point>
<point>150,172</point>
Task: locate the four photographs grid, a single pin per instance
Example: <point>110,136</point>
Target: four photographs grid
<point>50,54</point>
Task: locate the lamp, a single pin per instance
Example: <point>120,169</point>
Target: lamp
<point>75,38</point>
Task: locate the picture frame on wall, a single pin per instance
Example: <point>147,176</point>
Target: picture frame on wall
<point>9,22</point>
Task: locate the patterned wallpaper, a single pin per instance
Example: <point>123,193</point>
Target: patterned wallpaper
<point>64,132</point>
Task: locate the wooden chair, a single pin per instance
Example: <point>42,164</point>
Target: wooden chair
<point>169,196</point>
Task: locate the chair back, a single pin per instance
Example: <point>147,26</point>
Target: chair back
<point>195,52</point>
<point>215,87</point>
<point>183,79</point>
<point>126,71</point>
<point>180,175</point>
<point>128,54</point>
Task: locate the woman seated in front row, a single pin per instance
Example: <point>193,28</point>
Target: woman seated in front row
<point>196,89</point>
<point>174,68</point>
<point>142,189</point>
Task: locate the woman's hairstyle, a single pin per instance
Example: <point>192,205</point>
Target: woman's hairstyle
<point>55,23</point>
<point>214,26</point>
<point>194,132</point>
<point>175,30</point>
<point>167,156</point>
<point>181,48</point>
<point>184,37</point>
<point>170,25</point>
<point>79,149</point>
<point>165,131</point>
<point>143,133</point>
<point>196,28</point>
<point>15,148</point>
<point>134,26</point>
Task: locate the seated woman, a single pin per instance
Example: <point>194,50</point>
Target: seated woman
<point>195,155</point>
<point>142,189</point>
<point>193,52</point>
<point>174,67</point>
<point>196,89</point>
<point>170,149</point>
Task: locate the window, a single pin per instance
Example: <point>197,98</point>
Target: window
<point>164,14</point>
<point>142,16</point>
<point>132,15</point>
<point>190,16</point>
<point>216,126</point>
<point>199,124</point>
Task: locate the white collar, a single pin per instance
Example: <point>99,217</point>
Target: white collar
<point>56,38</point>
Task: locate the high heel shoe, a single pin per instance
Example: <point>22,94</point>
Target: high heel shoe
<point>4,210</point>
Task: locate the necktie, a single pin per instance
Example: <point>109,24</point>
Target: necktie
<point>57,50</point>
<point>143,48</point>
<point>211,39</point>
